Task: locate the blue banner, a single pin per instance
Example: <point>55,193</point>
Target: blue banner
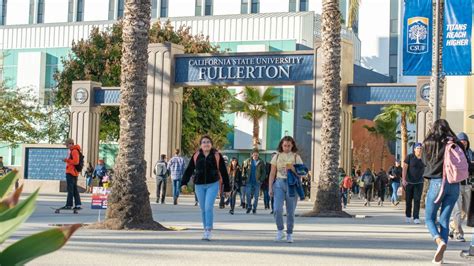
<point>245,69</point>
<point>457,37</point>
<point>417,38</point>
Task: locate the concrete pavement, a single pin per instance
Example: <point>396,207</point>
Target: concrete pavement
<point>243,239</point>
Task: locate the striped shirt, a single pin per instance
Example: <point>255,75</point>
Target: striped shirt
<point>176,166</point>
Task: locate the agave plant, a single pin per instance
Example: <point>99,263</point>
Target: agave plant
<point>12,214</point>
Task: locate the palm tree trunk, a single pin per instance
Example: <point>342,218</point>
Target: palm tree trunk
<point>404,133</point>
<point>327,200</point>
<point>256,129</point>
<point>129,202</point>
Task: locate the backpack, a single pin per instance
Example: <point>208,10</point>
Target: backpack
<point>80,165</point>
<point>455,166</point>
<point>160,169</point>
<point>347,182</point>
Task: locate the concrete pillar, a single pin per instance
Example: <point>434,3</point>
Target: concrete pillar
<point>85,119</point>
<point>422,108</point>
<point>164,107</point>
<point>469,108</point>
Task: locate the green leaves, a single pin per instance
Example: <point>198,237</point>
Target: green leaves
<point>6,182</point>
<point>37,245</point>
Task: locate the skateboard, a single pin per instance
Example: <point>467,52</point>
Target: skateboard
<point>59,210</point>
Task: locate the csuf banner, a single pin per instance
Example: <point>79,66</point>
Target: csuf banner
<point>417,41</point>
<point>457,37</point>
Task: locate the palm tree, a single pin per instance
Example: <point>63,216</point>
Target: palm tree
<point>255,106</point>
<point>387,131</point>
<point>407,113</point>
<point>129,203</point>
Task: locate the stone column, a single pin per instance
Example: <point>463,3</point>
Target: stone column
<point>422,108</point>
<point>164,107</point>
<point>85,119</point>
<point>469,108</point>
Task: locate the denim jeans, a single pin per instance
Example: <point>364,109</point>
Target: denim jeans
<point>344,194</point>
<point>206,195</point>
<point>395,186</point>
<point>253,190</point>
<point>266,197</point>
<point>448,199</point>
<point>281,195</point>
<point>72,191</point>
<point>243,194</point>
<point>160,188</point>
<point>176,188</point>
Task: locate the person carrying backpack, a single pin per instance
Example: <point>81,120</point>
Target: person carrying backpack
<point>368,180</point>
<point>346,186</point>
<point>100,172</point>
<point>74,164</point>
<point>161,172</point>
<point>381,184</point>
<point>446,166</point>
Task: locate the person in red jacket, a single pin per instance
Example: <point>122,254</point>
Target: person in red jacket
<point>72,174</point>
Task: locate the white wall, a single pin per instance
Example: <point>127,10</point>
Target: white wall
<point>269,6</point>
<point>31,71</point>
<point>455,86</point>
<point>18,12</point>
<point>374,33</point>
<point>55,11</point>
<point>95,10</point>
<point>316,6</point>
<point>181,8</point>
<point>226,7</point>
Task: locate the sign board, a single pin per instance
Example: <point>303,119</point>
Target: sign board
<point>99,197</point>
<point>244,69</point>
<point>44,163</point>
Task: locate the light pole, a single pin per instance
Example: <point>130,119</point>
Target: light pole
<point>436,114</point>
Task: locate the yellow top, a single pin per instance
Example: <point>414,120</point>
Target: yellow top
<point>280,160</point>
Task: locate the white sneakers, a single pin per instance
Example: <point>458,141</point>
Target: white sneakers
<point>407,220</point>
<point>207,235</point>
<point>280,237</point>
<point>416,221</point>
<point>438,257</point>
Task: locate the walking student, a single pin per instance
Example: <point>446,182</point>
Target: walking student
<point>235,179</point>
<point>210,173</point>
<point>395,175</point>
<point>345,186</point>
<point>74,163</point>
<point>381,183</point>
<point>100,172</point>
<point>440,194</point>
<point>278,186</point>
<point>176,167</point>
<point>254,172</point>
<point>469,254</point>
<point>161,172</point>
<point>413,169</point>
<point>368,179</point>
<point>462,205</point>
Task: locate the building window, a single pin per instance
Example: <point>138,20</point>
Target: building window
<point>292,7</point>
<point>198,10</point>
<point>80,10</point>
<point>70,10</point>
<point>164,8</point>
<point>3,12</point>
<point>120,8</point>
<point>154,7</point>
<point>303,5</point>
<point>244,7</point>
<point>255,8</point>
<point>40,11</point>
<point>208,8</point>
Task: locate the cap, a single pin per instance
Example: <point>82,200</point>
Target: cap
<point>417,145</point>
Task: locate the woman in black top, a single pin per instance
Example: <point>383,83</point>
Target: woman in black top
<point>433,159</point>
<point>235,176</point>
<point>210,176</point>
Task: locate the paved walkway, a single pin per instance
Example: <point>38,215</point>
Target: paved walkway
<point>243,239</point>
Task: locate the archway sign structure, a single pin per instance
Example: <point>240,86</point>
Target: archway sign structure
<point>170,69</point>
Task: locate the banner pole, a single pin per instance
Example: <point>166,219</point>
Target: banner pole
<point>436,114</point>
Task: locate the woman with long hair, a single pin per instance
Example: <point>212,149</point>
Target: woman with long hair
<point>210,173</point>
<point>278,186</point>
<point>235,176</point>
<point>433,159</point>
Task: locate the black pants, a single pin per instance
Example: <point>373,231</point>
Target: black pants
<point>381,194</point>
<point>413,194</point>
<point>72,191</point>
<point>161,184</point>
<point>233,196</point>
<point>368,192</point>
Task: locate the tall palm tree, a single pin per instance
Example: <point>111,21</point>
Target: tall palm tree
<point>387,131</point>
<point>407,113</point>
<point>129,203</point>
<point>254,105</point>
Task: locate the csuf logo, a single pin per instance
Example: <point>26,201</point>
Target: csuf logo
<point>425,92</point>
<point>418,35</point>
<point>81,95</point>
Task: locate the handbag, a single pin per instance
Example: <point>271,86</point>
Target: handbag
<point>400,191</point>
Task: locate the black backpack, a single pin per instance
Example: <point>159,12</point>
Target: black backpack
<point>80,165</point>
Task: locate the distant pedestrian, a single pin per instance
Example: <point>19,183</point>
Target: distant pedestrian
<point>355,183</point>
<point>413,169</point>
<point>100,172</point>
<point>73,168</point>
<point>264,187</point>
<point>345,187</point>
<point>395,175</point>
<point>381,183</point>
<point>222,197</point>
<point>210,173</point>
<point>254,172</point>
<point>235,179</point>
<point>89,175</point>
<point>368,180</point>
<point>282,162</point>
<point>161,172</point>
<point>433,158</point>
<point>176,167</point>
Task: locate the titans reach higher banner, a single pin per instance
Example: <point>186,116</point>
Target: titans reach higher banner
<point>285,68</point>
